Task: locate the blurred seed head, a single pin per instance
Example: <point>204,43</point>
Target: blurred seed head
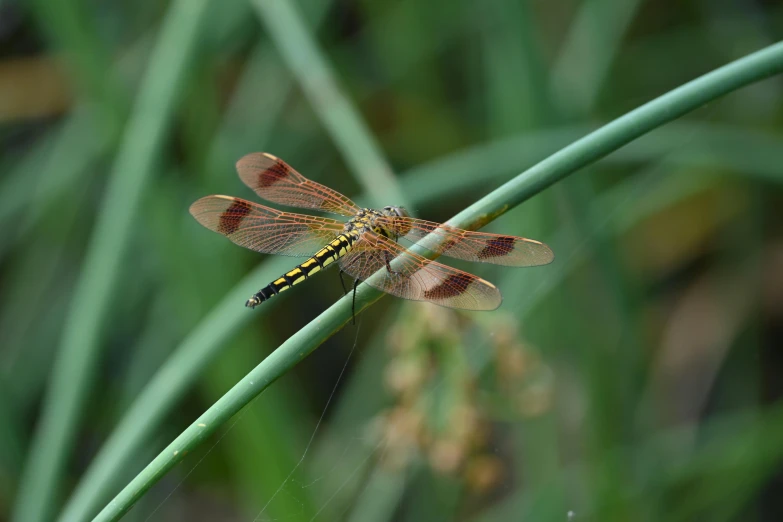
<point>440,396</point>
<point>483,472</point>
<point>446,456</point>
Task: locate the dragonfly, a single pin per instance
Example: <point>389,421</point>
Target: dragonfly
<point>364,245</point>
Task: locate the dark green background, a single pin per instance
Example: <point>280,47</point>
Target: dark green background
<point>636,378</point>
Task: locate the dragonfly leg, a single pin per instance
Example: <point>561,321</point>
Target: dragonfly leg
<point>353,302</point>
<point>342,283</point>
<point>353,299</point>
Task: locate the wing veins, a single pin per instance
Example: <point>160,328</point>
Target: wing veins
<point>265,229</point>
<point>276,181</point>
<point>468,245</point>
<point>415,277</point>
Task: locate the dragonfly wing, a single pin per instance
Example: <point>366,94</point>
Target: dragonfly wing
<point>265,229</point>
<point>276,181</point>
<point>483,247</point>
<point>416,278</point>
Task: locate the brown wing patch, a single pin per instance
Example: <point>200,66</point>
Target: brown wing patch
<point>274,173</point>
<point>498,247</point>
<point>231,218</point>
<point>452,286</point>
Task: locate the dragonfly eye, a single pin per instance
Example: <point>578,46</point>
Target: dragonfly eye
<point>395,211</point>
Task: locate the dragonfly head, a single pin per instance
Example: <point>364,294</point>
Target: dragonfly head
<point>398,227</point>
<point>395,212</point>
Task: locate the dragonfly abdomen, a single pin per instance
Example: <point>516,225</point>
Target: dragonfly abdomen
<point>330,253</point>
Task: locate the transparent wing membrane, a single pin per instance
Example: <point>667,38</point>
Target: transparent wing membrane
<point>276,181</point>
<point>417,278</point>
<point>481,247</point>
<point>265,229</point>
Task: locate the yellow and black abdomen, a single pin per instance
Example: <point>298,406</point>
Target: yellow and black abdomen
<point>336,249</point>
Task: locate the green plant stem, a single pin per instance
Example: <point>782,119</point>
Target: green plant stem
<point>605,389</point>
<point>668,107</point>
<point>523,291</point>
<point>203,344</point>
<point>625,129</point>
<point>79,348</point>
<point>167,387</point>
<point>173,379</point>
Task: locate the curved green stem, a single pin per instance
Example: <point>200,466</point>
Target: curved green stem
<point>581,153</point>
<point>453,174</point>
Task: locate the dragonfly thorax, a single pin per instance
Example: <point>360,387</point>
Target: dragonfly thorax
<point>379,221</point>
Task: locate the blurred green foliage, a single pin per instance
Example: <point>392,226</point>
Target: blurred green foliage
<point>636,378</point>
